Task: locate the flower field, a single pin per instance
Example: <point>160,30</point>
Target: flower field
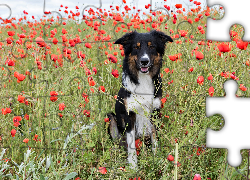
<point>61,76</point>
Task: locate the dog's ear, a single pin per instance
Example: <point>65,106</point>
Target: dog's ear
<point>126,38</point>
<point>161,36</point>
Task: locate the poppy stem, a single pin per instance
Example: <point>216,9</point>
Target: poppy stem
<point>176,161</point>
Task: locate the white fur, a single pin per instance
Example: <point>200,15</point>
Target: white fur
<point>141,100</point>
<point>145,56</point>
<point>157,103</point>
<point>154,144</point>
<point>132,157</point>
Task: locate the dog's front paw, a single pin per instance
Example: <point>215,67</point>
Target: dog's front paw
<point>133,166</point>
<point>155,147</point>
<point>132,160</point>
<point>154,150</point>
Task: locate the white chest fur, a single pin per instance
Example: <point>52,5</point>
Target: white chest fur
<point>142,102</point>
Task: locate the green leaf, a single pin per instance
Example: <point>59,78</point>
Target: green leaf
<point>42,177</point>
<point>55,140</point>
<point>91,144</point>
<point>70,176</point>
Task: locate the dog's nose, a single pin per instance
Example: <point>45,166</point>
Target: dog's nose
<point>144,61</point>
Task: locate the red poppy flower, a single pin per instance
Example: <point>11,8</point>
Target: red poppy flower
<point>88,45</point>
<point>11,33</point>
<point>242,45</point>
<point>102,88</point>
<point>5,111</point>
<point>233,76</point>
<point>200,80</point>
<point>115,73</point>
<point>92,83</point>
<point>16,120</point>
<point>64,31</point>
<point>247,62</point>
<point>26,140</point>
<point>102,170</point>
<point>207,14</point>
<point>196,19</point>
<point>26,116</point>
<point>197,177</point>
<point>62,106</point>
<point>243,88</point>
<point>211,91</point>
<point>20,99</point>
<point>10,62</point>
<point>9,40</point>
<point>199,55</point>
<point>183,33</point>
<point>53,95</point>
<point>191,69</point>
<point>190,21</point>
<point>172,57</point>
<point>55,41</point>
<point>106,119</point>
<point>94,70</point>
<point>163,100</point>
<point>166,70</point>
<point>178,6</point>
<point>170,158</point>
<point>40,42</point>
<point>233,33</point>
<point>138,144</point>
<point>22,35</point>
<point>20,77</point>
<point>167,7</point>
<point>210,77</point>
<point>112,58</point>
<point>13,132</point>
<point>223,47</point>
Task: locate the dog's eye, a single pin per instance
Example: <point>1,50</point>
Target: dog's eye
<point>138,45</point>
<point>151,47</point>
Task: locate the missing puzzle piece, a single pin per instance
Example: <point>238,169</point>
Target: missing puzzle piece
<point>234,13</point>
<point>235,113</point>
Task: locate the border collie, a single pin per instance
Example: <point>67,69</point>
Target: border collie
<point>140,94</point>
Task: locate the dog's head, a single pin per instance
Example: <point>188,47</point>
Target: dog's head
<point>144,50</point>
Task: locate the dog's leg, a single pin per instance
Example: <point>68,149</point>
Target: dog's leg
<point>154,140</point>
<point>113,129</point>
<point>132,157</point>
<point>154,133</point>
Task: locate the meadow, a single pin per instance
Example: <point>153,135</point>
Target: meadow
<point>59,79</point>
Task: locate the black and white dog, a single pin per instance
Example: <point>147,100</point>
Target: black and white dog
<point>141,93</point>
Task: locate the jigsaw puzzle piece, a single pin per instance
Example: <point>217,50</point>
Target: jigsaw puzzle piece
<point>51,22</point>
<point>193,15</point>
<point>190,158</point>
<point>5,15</point>
<point>235,13</point>
<point>159,164</point>
<point>163,19</point>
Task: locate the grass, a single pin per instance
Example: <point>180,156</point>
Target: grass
<point>65,148</point>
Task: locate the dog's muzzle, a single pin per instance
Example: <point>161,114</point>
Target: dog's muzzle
<point>144,65</point>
